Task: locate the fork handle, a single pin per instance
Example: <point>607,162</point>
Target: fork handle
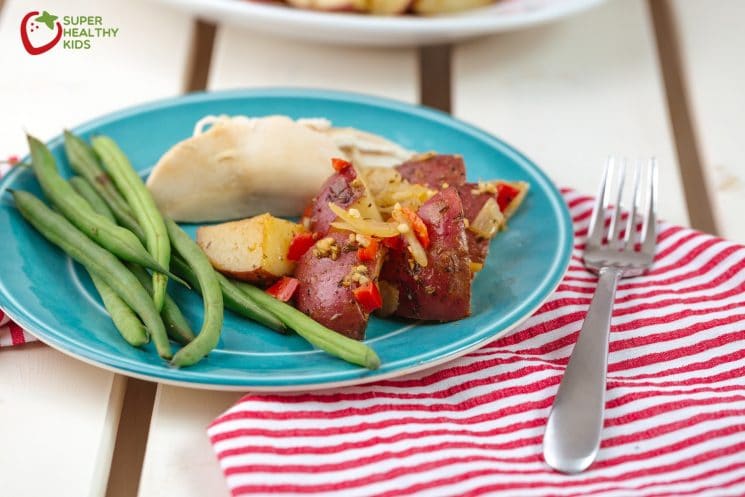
<point>572,437</point>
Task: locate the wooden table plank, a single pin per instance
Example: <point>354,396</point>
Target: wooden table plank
<point>571,93</point>
<point>712,46</point>
<point>58,421</point>
<point>179,459</point>
<point>245,59</point>
<point>59,417</point>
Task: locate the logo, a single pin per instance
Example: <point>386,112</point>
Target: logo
<point>41,33</point>
<point>43,29</point>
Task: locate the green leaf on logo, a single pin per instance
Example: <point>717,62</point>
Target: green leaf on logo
<point>47,18</point>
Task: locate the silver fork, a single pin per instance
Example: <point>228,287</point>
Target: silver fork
<point>572,437</point>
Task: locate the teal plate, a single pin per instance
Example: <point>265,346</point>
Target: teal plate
<point>53,298</point>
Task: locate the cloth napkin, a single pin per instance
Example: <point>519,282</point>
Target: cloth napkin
<point>675,411</point>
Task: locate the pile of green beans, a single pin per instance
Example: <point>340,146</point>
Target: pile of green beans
<point>83,161</point>
<point>141,202</point>
<point>120,241</point>
<point>176,325</point>
<point>96,260</point>
<point>92,204</point>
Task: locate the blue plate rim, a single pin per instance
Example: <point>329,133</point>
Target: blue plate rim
<point>410,364</point>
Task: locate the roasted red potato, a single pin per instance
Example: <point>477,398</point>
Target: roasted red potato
<point>434,170</point>
<point>342,188</point>
<point>329,274</point>
<point>441,291</point>
<point>478,246</point>
<point>253,249</point>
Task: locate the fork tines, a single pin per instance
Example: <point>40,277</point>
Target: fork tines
<point>610,202</point>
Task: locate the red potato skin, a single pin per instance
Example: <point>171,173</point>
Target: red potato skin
<point>442,290</point>
<point>321,294</point>
<point>339,190</point>
<point>434,170</point>
<point>478,247</point>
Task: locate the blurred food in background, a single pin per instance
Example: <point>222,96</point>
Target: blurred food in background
<point>386,7</point>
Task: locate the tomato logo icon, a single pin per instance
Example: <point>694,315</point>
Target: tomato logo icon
<point>39,33</point>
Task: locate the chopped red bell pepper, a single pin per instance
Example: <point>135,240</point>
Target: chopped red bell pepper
<point>368,296</point>
<point>299,245</point>
<point>283,289</point>
<point>394,242</point>
<point>340,164</point>
<point>506,193</point>
<point>420,229</point>
<point>366,254</point>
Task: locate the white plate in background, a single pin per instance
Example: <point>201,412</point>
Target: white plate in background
<point>365,29</point>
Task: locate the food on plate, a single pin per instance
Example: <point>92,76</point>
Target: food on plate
<point>486,207</point>
<point>388,7</point>
<point>253,249</point>
<point>118,240</point>
<point>403,241</point>
<point>96,259</point>
<point>209,335</point>
<point>145,211</point>
<point>439,289</point>
<point>381,230</point>
<point>345,189</point>
<point>329,5</point>
<point>233,298</point>
<point>125,320</point>
<point>434,170</point>
<point>241,167</point>
<point>337,287</point>
<point>433,7</point>
<point>83,161</point>
<point>336,344</point>
<point>177,326</point>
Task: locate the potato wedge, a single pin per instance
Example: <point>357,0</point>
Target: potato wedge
<point>433,170</point>
<point>253,249</point>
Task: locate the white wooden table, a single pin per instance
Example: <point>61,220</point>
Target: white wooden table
<point>609,81</point>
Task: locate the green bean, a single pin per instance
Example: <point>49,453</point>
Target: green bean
<point>94,199</point>
<point>176,325</point>
<point>85,163</point>
<point>97,260</point>
<point>143,206</point>
<point>234,299</point>
<point>124,318</point>
<point>325,339</point>
<point>209,335</point>
<point>120,241</point>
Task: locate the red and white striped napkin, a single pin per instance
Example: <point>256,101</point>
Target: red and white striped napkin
<point>675,414</point>
<point>12,334</point>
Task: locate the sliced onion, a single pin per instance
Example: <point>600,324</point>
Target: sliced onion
<point>488,221</point>
<point>381,178</point>
<point>415,248</point>
<point>362,226</point>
